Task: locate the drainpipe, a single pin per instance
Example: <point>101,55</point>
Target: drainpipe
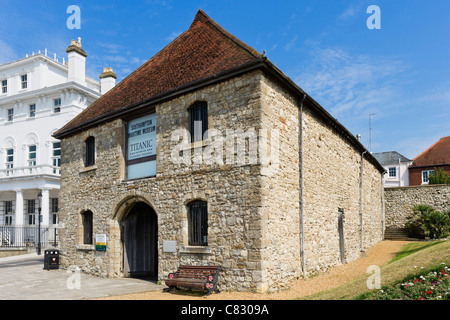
<point>361,207</point>
<point>382,204</point>
<point>302,238</point>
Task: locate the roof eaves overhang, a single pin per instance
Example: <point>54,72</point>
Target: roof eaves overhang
<point>258,64</point>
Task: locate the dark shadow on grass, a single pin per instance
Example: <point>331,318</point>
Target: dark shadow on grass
<point>413,248</point>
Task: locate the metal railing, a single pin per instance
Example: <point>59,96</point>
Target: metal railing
<point>27,236</point>
<point>47,53</point>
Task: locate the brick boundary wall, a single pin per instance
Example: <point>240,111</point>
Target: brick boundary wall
<point>399,201</point>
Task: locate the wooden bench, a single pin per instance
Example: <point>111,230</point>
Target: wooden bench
<point>203,277</point>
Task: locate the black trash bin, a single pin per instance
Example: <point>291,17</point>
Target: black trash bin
<point>51,259</point>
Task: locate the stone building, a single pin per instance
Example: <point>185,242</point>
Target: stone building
<point>209,154</point>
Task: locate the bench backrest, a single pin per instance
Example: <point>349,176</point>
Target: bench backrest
<point>196,272</point>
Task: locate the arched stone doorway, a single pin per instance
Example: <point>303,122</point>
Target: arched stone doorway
<point>140,241</point>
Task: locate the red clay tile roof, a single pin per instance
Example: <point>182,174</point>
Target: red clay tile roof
<point>438,153</point>
<point>204,54</point>
<point>202,51</point>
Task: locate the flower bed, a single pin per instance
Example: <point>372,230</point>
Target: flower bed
<point>433,284</point>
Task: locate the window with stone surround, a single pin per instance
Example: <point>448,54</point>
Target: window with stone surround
<point>198,223</point>
<point>198,120</point>
<point>90,152</point>
<point>87,221</point>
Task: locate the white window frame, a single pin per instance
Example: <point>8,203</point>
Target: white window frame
<point>427,175</point>
<point>395,172</point>
<point>31,160</point>
<point>10,115</point>
<point>32,110</point>
<point>5,86</point>
<point>57,105</point>
<point>24,81</point>
<point>9,162</point>
<point>56,157</point>
<point>9,212</point>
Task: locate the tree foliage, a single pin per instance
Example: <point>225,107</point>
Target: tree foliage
<point>438,176</point>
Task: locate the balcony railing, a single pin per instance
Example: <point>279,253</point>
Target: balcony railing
<point>30,171</point>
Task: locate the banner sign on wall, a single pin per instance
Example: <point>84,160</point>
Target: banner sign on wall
<point>141,147</point>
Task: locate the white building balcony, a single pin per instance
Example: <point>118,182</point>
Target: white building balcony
<point>28,172</point>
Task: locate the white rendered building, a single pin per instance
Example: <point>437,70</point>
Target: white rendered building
<point>396,166</point>
<point>38,95</point>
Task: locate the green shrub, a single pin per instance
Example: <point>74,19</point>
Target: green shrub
<point>438,176</point>
<point>425,221</point>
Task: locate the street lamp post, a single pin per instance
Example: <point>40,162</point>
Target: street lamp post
<point>39,224</point>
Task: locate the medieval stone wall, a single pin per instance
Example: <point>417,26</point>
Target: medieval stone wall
<point>253,207</point>
<point>232,191</point>
<point>399,201</point>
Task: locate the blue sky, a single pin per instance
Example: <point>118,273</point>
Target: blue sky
<point>400,73</point>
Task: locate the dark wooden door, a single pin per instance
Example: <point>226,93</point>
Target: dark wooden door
<point>140,242</point>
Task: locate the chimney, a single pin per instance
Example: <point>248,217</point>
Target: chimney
<point>358,136</point>
<point>77,62</point>
<point>107,80</point>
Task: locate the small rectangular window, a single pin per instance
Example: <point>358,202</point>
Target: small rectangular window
<point>198,120</point>
<point>32,156</point>
<point>392,172</point>
<point>87,227</point>
<point>4,86</point>
<point>90,151</point>
<point>8,207</point>
<point>9,164</point>
<point>56,157</point>
<point>54,205</point>
<point>24,81</point>
<point>198,223</point>
<point>57,105</point>
<point>31,211</point>
<point>10,115</point>
<point>31,206</point>
<point>32,110</point>
<point>425,175</point>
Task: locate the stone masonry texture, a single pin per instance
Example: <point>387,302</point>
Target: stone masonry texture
<point>253,209</point>
<point>399,201</point>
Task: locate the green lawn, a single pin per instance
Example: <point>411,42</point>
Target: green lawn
<point>411,260</point>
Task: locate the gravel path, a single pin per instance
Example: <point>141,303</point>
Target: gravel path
<point>379,255</point>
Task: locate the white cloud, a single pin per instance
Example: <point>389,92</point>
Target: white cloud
<point>347,84</point>
<point>7,53</point>
<point>290,44</point>
<point>173,35</point>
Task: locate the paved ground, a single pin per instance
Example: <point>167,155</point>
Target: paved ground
<point>23,278</point>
